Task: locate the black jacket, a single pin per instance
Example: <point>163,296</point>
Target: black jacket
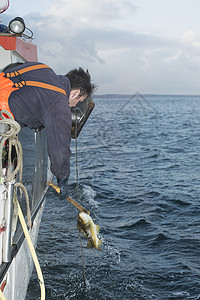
<point>35,107</point>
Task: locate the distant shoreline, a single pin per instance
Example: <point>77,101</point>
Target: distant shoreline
<point>140,94</point>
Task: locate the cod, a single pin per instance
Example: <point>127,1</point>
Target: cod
<point>89,230</point>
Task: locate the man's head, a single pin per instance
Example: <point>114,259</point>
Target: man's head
<point>81,86</point>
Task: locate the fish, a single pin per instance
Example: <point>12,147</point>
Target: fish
<point>89,230</point>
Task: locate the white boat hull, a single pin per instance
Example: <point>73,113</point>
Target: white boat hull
<point>18,275</point>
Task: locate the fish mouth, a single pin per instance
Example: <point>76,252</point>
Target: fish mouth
<point>80,216</point>
<point>83,216</point>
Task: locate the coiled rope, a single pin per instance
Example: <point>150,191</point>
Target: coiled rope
<point>11,136</point>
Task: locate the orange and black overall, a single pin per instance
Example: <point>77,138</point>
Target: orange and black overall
<point>7,86</point>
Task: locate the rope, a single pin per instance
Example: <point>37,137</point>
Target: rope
<point>3,111</point>
<point>24,190</point>
<point>82,256</point>
<point>33,253</point>
<point>2,297</point>
<point>13,129</point>
<point>76,131</point>
<point>15,214</point>
<point>11,136</point>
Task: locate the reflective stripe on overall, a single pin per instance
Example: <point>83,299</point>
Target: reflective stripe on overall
<point>7,86</point>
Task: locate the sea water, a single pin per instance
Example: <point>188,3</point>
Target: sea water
<point>139,176</point>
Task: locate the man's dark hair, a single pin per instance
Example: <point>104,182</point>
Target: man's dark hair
<point>79,79</point>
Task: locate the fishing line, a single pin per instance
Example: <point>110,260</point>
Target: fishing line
<point>76,131</point>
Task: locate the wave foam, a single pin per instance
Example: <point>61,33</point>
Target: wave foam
<point>90,195</point>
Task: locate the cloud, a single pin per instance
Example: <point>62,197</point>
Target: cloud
<point>120,59</point>
<point>88,12</point>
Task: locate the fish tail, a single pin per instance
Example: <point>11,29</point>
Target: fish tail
<point>99,244</point>
<point>97,228</point>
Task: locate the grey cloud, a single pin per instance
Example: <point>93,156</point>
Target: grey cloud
<point>122,61</point>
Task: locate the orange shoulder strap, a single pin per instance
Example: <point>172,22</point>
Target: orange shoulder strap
<point>27,69</point>
<point>34,83</point>
<point>41,85</point>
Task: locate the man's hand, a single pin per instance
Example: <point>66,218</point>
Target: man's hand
<point>63,185</point>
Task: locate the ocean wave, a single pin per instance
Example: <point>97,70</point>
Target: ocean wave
<point>159,239</point>
<point>89,195</point>
<point>178,202</point>
<point>131,224</point>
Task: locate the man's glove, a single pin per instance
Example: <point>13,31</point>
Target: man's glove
<point>62,184</point>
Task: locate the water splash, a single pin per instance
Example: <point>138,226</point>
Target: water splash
<point>89,195</point>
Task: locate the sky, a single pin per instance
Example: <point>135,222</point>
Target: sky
<point>128,46</point>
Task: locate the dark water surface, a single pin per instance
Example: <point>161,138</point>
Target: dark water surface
<point>139,166</point>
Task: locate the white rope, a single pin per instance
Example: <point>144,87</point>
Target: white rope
<point>22,187</point>
<point>11,136</point>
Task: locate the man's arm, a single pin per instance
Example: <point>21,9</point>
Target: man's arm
<point>57,122</point>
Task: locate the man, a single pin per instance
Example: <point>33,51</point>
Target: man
<point>38,98</point>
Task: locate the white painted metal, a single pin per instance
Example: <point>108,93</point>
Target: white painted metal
<point>19,273</point>
<point>2,202</point>
<point>7,57</point>
<point>8,210</point>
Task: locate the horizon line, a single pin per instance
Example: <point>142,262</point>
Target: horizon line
<point>142,94</point>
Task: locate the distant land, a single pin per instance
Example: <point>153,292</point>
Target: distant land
<point>140,94</point>
<point>118,95</point>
